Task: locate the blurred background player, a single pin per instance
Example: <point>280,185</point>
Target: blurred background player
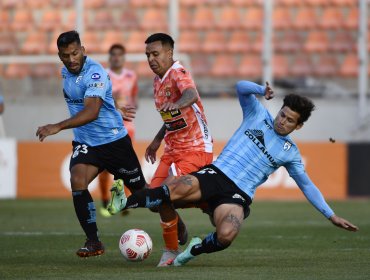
<point>125,93</point>
<point>188,140</point>
<point>100,138</point>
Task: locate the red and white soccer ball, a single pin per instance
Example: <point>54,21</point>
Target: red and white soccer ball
<point>135,245</point>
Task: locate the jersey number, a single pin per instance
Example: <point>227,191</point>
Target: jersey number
<point>80,149</point>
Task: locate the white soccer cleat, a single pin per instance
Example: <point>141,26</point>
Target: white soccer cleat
<point>186,256</point>
<point>118,200</point>
<point>167,257</point>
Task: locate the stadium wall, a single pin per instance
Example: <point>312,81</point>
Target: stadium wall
<point>40,170</point>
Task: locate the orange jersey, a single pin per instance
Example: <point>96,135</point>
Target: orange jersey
<point>124,91</point>
<point>186,128</point>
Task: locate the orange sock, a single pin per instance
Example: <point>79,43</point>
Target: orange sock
<point>170,234</point>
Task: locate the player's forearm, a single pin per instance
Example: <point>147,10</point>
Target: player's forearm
<point>188,98</point>
<point>313,194</point>
<point>247,88</point>
<point>161,133</point>
<point>81,118</point>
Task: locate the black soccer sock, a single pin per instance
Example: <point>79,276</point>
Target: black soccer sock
<point>148,198</point>
<point>86,213</point>
<point>209,244</point>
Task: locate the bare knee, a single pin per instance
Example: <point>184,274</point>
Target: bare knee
<point>78,183</point>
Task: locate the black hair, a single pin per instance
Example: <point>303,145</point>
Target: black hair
<point>67,38</point>
<point>117,46</point>
<point>300,104</point>
<point>163,37</point>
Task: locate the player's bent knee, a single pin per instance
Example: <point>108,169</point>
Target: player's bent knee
<point>226,235</point>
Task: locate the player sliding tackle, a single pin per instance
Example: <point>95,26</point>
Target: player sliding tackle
<point>260,146</point>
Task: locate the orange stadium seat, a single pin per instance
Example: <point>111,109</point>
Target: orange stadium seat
<point>316,2</point>
<point>9,4</point>
<point>203,18</point>
<point>188,41</point>
<point>200,65</point>
<point>148,3</point>
<point>22,21</point>
<point>343,41</point>
<point>127,20</point>
<point>44,70</point>
<point>52,45</point>
<point>253,18</point>
<point>246,3</point>
<point>184,18</point>
<point>250,67</point>
<point>17,71</point>
<point>342,3</point>
<point>257,43</point>
<point>189,3</point>
<point>8,43</point>
<point>224,66</point>
<point>306,18</point>
<point>35,43</point>
<point>317,41</point>
<point>102,20</point>
<point>136,42</point>
<point>280,66</point>
<point>71,20</point>
<point>327,66</point>
<point>91,42</point>
<point>349,66</point>
<point>282,18</point>
<point>288,41</point>
<point>35,3</point>
<point>4,20</point>
<point>64,3</point>
<point>288,2</point>
<point>351,21</point>
<point>229,18</point>
<point>214,41</point>
<point>51,20</point>
<point>240,41</point>
<point>116,3</point>
<point>94,4</point>
<point>143,70</point>
<point>331,18</point>
<point>112,37</point>
<point>154,19</point>
<point>301,66</point>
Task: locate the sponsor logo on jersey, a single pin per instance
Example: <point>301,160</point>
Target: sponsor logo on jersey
<point>267,124</point>
<point>238,196</point>
<point>95,76</point>
<point>176,124</point>
<point>96,85</point>
<point>128,172</point>
<point>287,146</point>
<point>170,114</point>
<point>134,180</point>
<point>256,136</point>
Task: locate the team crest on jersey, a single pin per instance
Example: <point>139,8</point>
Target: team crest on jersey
<point>95,76</point>
<point>79,78</point>
<point>287,146</point>
<point>167,92</point>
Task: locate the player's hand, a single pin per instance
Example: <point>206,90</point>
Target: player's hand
<point>46,130</point>
<point>168,106</point>
<point>269,93</point>
<point>151,151</point>
<point>128,113</point>
<point>342,223</point>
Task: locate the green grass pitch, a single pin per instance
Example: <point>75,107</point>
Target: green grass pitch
<point>280,240</point>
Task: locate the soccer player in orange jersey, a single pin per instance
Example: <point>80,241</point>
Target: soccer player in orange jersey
<point>188,141</point>
<point>125,89</point>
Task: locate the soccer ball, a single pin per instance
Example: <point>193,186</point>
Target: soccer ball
<point>135,245</point>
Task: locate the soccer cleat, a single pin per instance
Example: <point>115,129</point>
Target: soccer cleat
<point>90,249</point>
<point>118,199</point>
<point>104,212</point>
<point>167,257</point>
<point>182,232</point>
<point>186,256</point>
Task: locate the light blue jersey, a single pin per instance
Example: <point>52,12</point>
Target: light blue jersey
<point>93,81</point>
<point>255,150</point>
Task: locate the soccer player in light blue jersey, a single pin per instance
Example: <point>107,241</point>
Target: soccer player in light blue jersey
<point>100,138</point>
<point>259,147</point>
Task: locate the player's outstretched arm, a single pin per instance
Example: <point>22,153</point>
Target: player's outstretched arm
<point>342,223</point>
<point>269,93</point>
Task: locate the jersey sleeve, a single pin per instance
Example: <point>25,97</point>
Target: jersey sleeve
<point>313,194</point>
<point>96,82</point>
<point>183,79</point>
<point>246,92</point>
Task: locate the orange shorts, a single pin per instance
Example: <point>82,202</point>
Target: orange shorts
<point>179,164</point>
